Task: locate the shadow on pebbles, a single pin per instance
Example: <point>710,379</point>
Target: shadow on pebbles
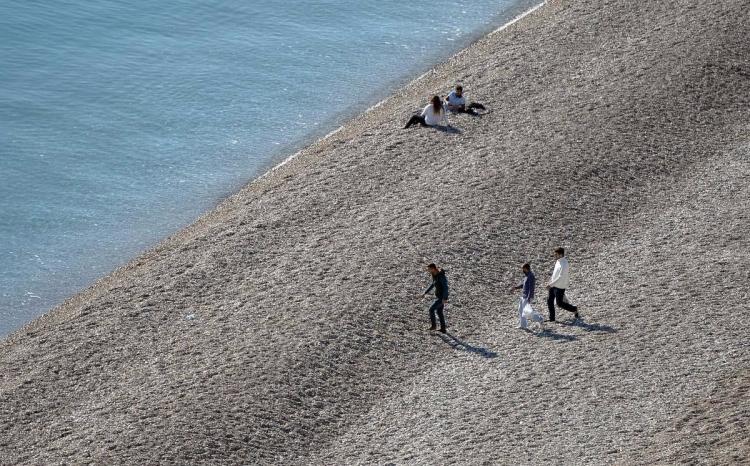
<point>282,326</point>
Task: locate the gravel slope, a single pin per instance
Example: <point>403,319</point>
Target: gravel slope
<point>283,326</point>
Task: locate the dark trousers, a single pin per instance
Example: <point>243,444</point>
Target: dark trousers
<point>556,296</point>
<point>416,119</point>
<point>437,308</point>
<point>470,108</point>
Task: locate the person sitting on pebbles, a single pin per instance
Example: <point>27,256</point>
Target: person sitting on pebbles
<point>457,103</point>
<point>432,115</point>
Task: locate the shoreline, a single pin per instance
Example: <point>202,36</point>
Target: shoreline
<point>290,150</point>
<point>281,326</point>
<point>515,19</point>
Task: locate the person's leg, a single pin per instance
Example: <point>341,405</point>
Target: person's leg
<point>551,304</point>
<point>433,308</point>
<point>416,119</point>
<point>476,105</point>
<point>559,295</point>
<point>440,315</point>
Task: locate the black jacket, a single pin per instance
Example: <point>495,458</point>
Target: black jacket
<point>440,283</point>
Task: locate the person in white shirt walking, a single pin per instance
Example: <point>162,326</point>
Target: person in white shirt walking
<point>456,102</point>
<point>432,115</point>
<point>558,284</point>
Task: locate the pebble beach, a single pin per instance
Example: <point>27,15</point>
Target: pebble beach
<point>285,327</point>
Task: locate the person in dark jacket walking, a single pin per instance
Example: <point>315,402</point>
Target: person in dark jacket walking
<point>525,309</point>
<point>440,284</point>
<point>528,284</point>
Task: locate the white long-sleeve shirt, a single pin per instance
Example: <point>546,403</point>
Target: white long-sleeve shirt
<point>561,274</point>
<point>433,118</point>
<point>455,102</point>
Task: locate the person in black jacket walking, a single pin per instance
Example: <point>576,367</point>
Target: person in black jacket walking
<point>440,283</point>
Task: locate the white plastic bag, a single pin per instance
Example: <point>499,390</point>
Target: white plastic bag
<point>526,312</point>
<point>522,322</point>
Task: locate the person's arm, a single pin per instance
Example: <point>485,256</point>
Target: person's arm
<point>460,104</point>
<point>516,287</point>
<point>449,105</point>
<point>444,282</point>
<point>424,110</point>
<point>556,273</point>
<point>432,285</point>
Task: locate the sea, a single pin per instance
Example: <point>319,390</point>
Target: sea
<point>122,121</point>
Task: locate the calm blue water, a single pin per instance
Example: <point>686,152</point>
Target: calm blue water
<point>121,121</point>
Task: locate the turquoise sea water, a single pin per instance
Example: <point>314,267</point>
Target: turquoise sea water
<point>121,121</point>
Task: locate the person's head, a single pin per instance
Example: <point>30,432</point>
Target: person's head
<point>433,269</point>
<point>436,104</point>
<point>559,252</point>
<point>459,90</point>
<point>526,268</point>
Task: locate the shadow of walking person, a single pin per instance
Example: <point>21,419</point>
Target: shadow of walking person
<point>590,327</point>
<point>552,335</point>
<point>460,345</point>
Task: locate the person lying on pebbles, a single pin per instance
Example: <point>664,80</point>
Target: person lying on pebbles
<point>456,102</point>
<point>433,115</point>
